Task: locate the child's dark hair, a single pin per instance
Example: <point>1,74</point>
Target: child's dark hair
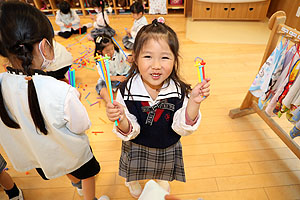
<point>159,31</point>
<point>101,42</point>
<point>22,26</point>
<point>64,7</point>
<point>100,4</point>
<point>137,7</point>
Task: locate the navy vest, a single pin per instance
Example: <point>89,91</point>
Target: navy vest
<point>155,122</point>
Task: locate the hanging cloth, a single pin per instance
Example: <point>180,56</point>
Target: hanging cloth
<point>261,82</point>
<point>281,81</point>
<point>291,79</point>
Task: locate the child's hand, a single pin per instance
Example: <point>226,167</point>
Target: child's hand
<point>200,91</point>
<point>130,58</point>
<point>92,17</point>
<point>114,111</point>
<point>121,78</point>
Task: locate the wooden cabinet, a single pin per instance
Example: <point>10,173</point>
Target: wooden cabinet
<point>220,10</point>
<point>238,11</point>
<point>257,10</point>
<point>201,10</point>
<point>50,6</point>
<point>229,11</point>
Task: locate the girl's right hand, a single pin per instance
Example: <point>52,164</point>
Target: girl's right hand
<point>114,111</point>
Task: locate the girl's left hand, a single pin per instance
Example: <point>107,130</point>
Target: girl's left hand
<point>200,91</point>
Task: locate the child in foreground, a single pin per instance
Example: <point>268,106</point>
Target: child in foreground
<point>43,122</point>
<point>155,107</point>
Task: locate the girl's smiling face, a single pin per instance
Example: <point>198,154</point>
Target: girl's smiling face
<point>155,63</point>
<point>109,50</point>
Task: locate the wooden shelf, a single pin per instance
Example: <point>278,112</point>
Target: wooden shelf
<point>51,7</point>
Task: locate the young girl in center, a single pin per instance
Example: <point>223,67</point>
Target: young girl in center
<point>155,108</point>
<point>43,122</point>
<point>118,64</point>
<point>101,22</point>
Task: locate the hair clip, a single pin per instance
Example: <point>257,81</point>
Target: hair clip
<point>98,39</point>
<point>161,20</point>
<point>154,22</point>
<point>28,78</point>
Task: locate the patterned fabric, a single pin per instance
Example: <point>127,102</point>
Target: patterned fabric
<point>2,163</point>
<point>104,30</point>
<point>158,7</point>
<point>138,162</point>
<point>151,110</point>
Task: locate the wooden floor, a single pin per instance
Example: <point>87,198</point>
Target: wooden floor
<point>224,159</point>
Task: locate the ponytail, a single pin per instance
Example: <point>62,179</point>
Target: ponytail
<point>4,114</point>
<point>24,54</point>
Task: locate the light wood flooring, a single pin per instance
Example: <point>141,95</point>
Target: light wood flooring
<point>224,159</point>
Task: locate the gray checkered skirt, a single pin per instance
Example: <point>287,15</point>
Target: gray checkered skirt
<point>103,30</point>
<point>138,162</point>
<point>127,44</point>
<point>2,163</point>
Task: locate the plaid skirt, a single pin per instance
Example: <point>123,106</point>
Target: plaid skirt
<point>2,163</point>
<point>139,162</point>
<point>101,31</point>
<point>127,43</point>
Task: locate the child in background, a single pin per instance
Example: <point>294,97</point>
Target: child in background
<point>137,10</point>
<point>62,62</point>
<point>43,122</point>
<point>10,188</point>
<point>118,66</point>
<point>101,22</point>
<point>155,108</point>
<point>69,21</point>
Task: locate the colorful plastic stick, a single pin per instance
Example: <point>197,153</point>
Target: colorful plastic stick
<point>87,95</point>
<point>106,58</point>
<point>69,76</point>
<point>119,47</point>
<point>104,66</point>
<point>200,65</point>
<point>73,77</point>
<point>94,103</point>
<point>201,73</point>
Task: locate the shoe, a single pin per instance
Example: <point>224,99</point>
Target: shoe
<point>164,184</point>
<point>78,187</point>
<point>20,197</point>
<point>79,191</point>
<point>56,32</point>
<point>104,197</point>
<point>88,25</point>
<point>135,188</point>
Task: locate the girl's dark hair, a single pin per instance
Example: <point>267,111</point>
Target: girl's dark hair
<point>22,26</point>
<point>100,4</point>
<point>101,42</point>
<point>158,31</point>
<point>137,7</point>
<point>64,7</point>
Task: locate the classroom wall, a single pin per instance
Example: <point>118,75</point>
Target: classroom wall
<point>290,7</point>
